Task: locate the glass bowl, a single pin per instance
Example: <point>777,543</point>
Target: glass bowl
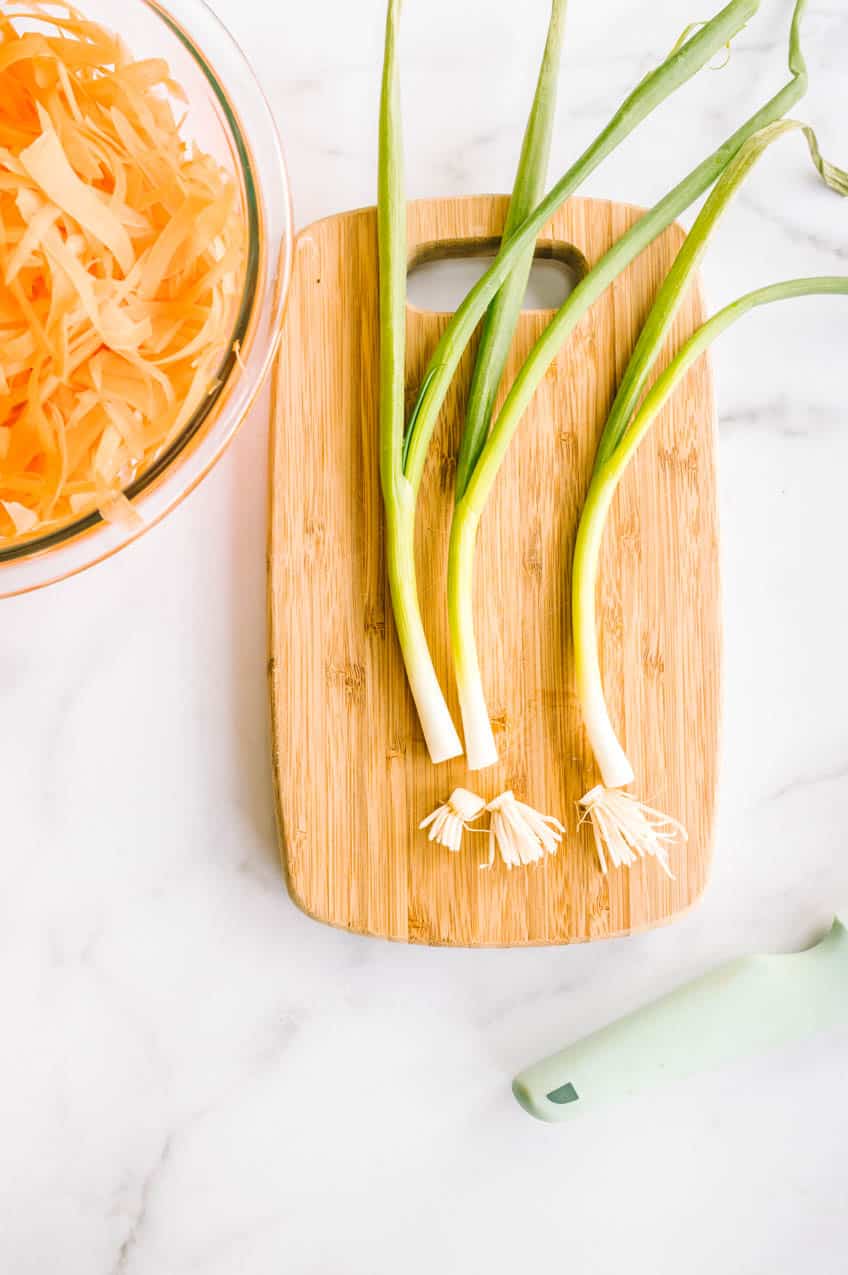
<point>229,117</point>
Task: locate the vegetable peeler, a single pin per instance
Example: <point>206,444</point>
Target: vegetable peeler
<point>741,1009</point>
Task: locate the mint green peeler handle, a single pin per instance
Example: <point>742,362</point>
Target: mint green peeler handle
<point>744,1008</point>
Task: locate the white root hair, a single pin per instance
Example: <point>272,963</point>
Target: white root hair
<point>625,830</point>
<point>447,822</point>
<point>521,834</point>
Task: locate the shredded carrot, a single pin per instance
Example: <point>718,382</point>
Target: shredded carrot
<point>122,257</point>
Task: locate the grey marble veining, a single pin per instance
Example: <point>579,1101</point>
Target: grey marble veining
<point>194,1078</point>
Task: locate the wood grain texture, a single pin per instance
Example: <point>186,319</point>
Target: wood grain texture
<point>353,777</point>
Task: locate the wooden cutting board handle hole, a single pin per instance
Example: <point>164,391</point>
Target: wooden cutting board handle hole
<point>441,273</point>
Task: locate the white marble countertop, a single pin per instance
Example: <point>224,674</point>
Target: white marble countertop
<point>196,1078</point>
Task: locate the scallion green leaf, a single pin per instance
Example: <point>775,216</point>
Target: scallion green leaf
<point>502,316</point>
<point>679,67</point>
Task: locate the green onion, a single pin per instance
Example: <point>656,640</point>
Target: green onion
<point>502,316</point>
<point>479,741</point>
<point>398,493</point>
<point>495,339</point>
<point>623,828</point>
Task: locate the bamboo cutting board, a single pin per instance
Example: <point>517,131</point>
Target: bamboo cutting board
<point>353,777</point>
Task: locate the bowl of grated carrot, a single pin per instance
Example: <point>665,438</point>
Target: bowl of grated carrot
<point>145,252</point>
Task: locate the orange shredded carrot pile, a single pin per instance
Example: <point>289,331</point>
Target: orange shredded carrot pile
<point>122,256</point>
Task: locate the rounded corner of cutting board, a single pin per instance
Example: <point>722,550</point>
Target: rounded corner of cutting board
<point>349,763</point>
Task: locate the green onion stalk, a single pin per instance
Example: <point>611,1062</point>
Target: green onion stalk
<point>469,509</point>
<point>398,493</point>
<point>624,829</point>
<point>495,339</point>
